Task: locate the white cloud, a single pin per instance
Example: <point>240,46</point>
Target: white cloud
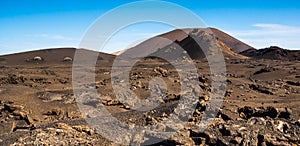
<point>289,43</point>
<point>268,29</point>
<point>271,26</point>
<point>264,35</point>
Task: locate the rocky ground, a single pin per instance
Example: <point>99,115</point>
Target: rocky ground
<point>261,105</point>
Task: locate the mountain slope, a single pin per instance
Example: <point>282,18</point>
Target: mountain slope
<point>230,41</point>
<point>183,39</point>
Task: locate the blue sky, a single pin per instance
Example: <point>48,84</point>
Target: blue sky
<point>31,24</point>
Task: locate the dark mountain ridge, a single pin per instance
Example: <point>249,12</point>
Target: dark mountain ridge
<point>273,53</point>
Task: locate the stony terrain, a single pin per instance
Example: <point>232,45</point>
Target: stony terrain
<point>38,107</point>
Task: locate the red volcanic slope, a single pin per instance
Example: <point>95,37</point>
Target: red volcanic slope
<point>230,41</point>
<point>230,46</point>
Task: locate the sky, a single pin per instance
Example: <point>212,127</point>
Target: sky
<point>31,24</point>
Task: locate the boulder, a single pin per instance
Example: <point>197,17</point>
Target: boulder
<point>68,59</point>
<point>38,58</point>
<point>264,70</point>
<point>161,71</point>
<point>11,107</point>
<point>7,128</point>
<point>248,112</point>
<point>261,89</point>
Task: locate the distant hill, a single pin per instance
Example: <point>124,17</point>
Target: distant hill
<point>47,56</point>
<point>274,53</point>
